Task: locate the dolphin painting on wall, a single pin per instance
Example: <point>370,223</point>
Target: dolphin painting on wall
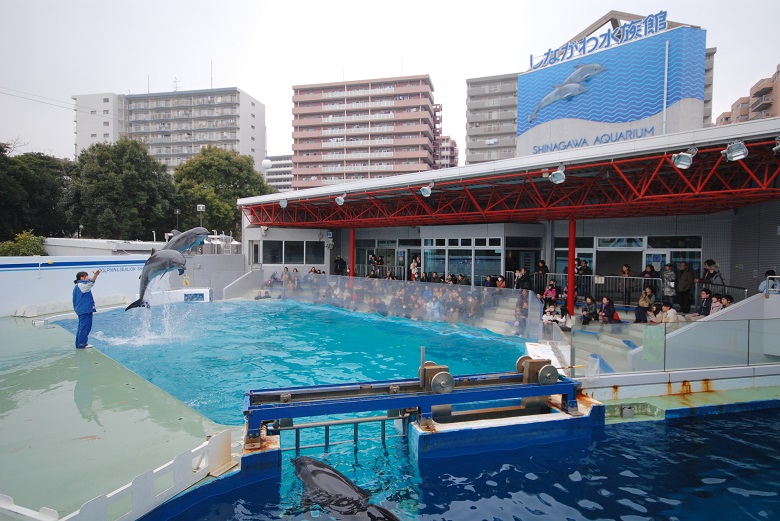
<point>336,494</point>
<point>559,92</point>
<point>584,73</point>
<point>183,241</point>
<point>158,264</point>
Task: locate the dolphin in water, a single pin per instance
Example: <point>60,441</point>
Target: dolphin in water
<point>156,265</point>
<point>183,241</point>
<point>336,494</point>
<point>560,92</point>
<point>583,73</point>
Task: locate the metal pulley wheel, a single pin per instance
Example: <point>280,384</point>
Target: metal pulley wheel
<point>442,383</point>
<point>428,363</point>
<point>519,364</point>
<point>548,375</point>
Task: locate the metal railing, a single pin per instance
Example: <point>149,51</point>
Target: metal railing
<point>621,290</point>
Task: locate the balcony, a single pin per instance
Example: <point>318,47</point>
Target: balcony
<point>360,130</point>
<point>761,103</point>
<point>493,103</point>
<point>492,129</point>
<point>762,88</point>
<point>483,117</point>
<point>493,89</point>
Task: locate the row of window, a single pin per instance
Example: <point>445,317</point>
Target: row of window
<point>288,252</point>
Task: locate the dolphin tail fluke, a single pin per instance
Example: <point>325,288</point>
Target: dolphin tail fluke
<point>140,303</point>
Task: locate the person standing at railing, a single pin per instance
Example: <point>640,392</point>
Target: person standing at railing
<point>522,279</point>
<point>540,276</point>
<point>625,271</point>
<point>650,274</point>
<point>585,273</point>
<point>668,278</point>
<point>683,287</point>
<point>769,285</point>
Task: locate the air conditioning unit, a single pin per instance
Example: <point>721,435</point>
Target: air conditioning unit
<point>476,124</point>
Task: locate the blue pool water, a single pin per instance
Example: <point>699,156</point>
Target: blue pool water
<point>208,355</point>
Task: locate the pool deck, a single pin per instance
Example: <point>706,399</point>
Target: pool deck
<point>76,424</point>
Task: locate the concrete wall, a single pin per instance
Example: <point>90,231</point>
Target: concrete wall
<point>210,271</point>
<point>755,243</point>
<point>44,285</point>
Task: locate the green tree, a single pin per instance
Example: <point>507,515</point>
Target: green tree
<point>217,178</point>
<point>24,244</point>
<point>45,186</point>
<point>119,191</point>
<point>15,208</point>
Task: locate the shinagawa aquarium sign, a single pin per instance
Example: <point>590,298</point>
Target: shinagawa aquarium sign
<point>627,32</point>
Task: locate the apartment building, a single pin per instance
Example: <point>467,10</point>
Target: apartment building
<point>366,129</point>
<point>763,102</point>
<point>279,175</point>
<point>445,153</point>
<point>174,126</point>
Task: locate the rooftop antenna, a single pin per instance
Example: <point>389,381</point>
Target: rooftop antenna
<point>211,71</point>
<point>147,84</point>
<point>175,84</point>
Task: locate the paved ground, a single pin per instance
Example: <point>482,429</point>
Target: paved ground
<point>76,425</point>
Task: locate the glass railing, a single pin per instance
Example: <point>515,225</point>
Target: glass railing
<point>628,347</point>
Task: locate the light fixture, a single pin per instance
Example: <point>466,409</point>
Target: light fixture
<point>776,148</point>
<point>283,203</point>
<point>735,151</point>
<point>558,176</point>
<point>683,160</point>
<point>340,199</point>
<point>266,164</point>
<point>425,191</point>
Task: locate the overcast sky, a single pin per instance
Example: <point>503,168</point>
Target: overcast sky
<point>50,50</point>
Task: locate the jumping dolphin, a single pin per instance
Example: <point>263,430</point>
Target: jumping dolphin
<point>336,494</point>
<point>156,265</point>
<point>183,241</point>
<point>560,92</point>
<point>584,73</point>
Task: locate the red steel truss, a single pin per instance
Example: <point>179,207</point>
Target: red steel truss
<point>639,186</point>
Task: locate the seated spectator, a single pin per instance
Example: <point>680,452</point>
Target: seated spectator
<point>726,301</point>
<point>667,315</point>
<point>608,315</point>
<point>646,302</point>
<point>716,305</point>
<point>589,311</point>
<point>550,295</point>
<point>704,308</point>
<point>435,278</point>
<point>262,294</point>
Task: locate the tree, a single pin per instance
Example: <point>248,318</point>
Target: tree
<point>24,244</point>
<point>119,191</point>
<point>15,208</point>
<point>45,187</point>
<point>217,178</point>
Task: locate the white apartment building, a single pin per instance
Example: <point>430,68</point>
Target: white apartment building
<point>280,175</point>
<point>174,126</point>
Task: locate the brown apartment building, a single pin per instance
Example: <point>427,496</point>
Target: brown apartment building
<point>763,102</point>
<point>347,131</point>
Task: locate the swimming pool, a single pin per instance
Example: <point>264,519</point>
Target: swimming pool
<point>209,355</point>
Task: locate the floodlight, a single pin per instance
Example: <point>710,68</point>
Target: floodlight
<point>683,160</point>
<point>735,151</point>
<point>340,199</point>
<point>425,191</point>
<point>283,203</point>
<point>558,176</point>
<point>266,164</point>
<point>776,148</point>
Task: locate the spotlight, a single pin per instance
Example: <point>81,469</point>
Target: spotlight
<point>340,199</point>
<point>425,191</point>
<point>776,148</point>
<point>683,160</point>
<point>735,151</point>
<point>558,176</point>
<point>283,203</point>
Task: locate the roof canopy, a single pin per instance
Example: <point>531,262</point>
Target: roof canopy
<point>627,179</point>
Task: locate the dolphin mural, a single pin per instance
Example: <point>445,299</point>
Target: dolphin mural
<point>156,265</point>
<point>583,73</point>
<point>336,494</point>
<point>183,241</point>
<point>560,92</point>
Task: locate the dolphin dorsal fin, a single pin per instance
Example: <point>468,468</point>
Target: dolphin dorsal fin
<point>579,65</point>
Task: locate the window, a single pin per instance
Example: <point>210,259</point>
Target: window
<point>93,135</point>
<point>272,252</point>
<point>253,115</point>
<point>253,138</point>
<point>105,100</point>
<point>253,150</point>
<point>315,252</point>
<point>105,123</point>
<point>293,252</point>
<point>253,103</point>
<point>93,111</point>
<point>105,112</point>
<point>105,136</point>
<point>253,127</point>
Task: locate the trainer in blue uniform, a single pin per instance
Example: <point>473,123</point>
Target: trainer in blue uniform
<point>84,306</point>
